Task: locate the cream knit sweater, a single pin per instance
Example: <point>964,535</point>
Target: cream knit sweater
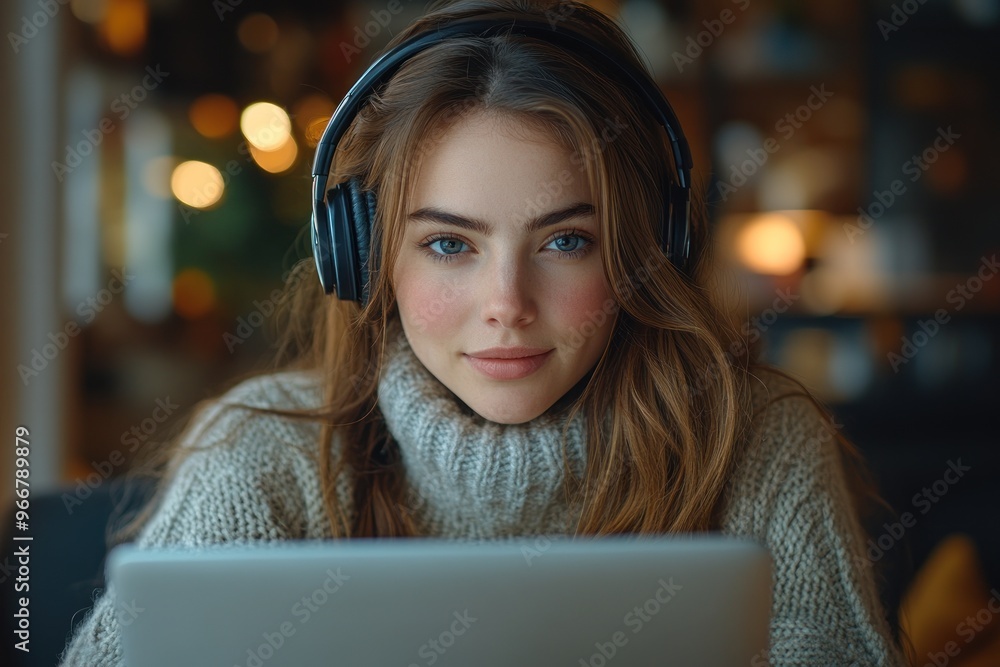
<point>474,479</point>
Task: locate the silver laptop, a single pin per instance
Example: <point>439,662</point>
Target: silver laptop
<point>584,602</point>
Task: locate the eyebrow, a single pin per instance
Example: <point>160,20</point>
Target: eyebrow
<point>429,214</point>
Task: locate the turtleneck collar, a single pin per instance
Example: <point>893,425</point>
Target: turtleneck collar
<point>471,477</point>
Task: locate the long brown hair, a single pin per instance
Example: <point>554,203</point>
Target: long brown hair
<point>676,376</point>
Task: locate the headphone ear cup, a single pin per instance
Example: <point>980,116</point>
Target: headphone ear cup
<point>363,206</point>
<point>321,236</point>
<point>342,244</point>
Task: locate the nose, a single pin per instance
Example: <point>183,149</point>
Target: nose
<point>508,295</point>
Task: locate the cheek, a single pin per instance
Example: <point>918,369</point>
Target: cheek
<point>430,305</point>
<point>583,301</point>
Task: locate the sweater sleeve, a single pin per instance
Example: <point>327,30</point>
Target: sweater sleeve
<point>228,490</point>
<point>793,498</point>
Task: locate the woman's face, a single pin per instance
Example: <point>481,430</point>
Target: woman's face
<point>501,249</point>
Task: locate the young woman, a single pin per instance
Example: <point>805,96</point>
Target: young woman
<point>518,204</point>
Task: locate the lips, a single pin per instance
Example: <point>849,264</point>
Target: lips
<point>510,352</point>
<point>509,369</point>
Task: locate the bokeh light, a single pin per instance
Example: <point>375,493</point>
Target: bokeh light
<point>258,33</point>
<point>276,161</point>
<point>311,114</point>
<point>123,26</point>
<point>197,184</point>
<point>193,293</point>
<point>771,243</point>
<point>214,115</point>
<point>266,125</point>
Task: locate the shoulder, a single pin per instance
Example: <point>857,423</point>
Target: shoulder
<point>791,449</point>
<point>786,420</point>
<point>259,428</point>
<point>253,408</point>
<point>282,390</point>
<point>790,493</point>
<point>242,472</point>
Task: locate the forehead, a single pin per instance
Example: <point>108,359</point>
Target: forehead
<point>497,166</point>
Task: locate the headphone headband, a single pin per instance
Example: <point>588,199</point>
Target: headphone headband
<point>675,228</point>
<point>382,70</point>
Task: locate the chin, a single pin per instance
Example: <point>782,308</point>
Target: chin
<point>518,412</point>
<point>515,416</point>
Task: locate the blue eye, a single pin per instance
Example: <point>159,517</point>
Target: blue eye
<point>572,245</point>
<point>448,246</point>
<point>568,237</point>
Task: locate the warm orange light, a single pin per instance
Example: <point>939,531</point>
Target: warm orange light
<point>214,115</point>
<point>193,293</point>
<point>265,125</point>
<point>771,243</point>
<point>278,160</point>
<point>311,114</point>
<point>315,131</point>
<point>197,184</point>
<point>950,172</point>
<point>123,27</point>
<point>258,33</point>
<point>89,11</point>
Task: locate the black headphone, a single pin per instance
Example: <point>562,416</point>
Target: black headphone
<point>343,216</point>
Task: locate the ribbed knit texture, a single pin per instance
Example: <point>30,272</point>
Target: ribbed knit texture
<point>474,479</point>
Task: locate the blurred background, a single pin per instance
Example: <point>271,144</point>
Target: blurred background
<point>156,187</point>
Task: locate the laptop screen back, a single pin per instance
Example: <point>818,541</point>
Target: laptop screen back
<point>587,602</point>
